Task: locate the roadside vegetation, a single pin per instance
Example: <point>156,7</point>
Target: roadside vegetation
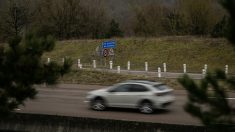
<point>174,51</point>
<point>101,19</point>
<point>21,69</point>
<point>140,30</point>
<point>106,78</point>
<point>208,99</point>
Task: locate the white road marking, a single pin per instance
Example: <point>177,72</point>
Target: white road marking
<point>230,98</point>
<point>226,98</point>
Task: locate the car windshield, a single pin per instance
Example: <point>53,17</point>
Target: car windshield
<point>161,87</point>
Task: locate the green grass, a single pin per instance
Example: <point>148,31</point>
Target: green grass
<point>175,51</point>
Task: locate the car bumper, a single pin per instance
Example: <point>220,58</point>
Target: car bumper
<point>164,102</point>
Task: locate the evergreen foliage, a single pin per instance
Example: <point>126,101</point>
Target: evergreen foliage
<point>208,100</point>
<point>14,19</point>
<point>21,68</point>
<point>75,19</point>
<point>230,7</point>
<point>114,30</point>
<point>220,28</point>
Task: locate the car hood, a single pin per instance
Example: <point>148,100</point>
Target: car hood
<point>99,91</point>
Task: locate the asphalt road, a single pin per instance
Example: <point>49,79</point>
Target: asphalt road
<point>68,100</point>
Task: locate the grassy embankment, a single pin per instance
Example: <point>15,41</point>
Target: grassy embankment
<point>175,51</point>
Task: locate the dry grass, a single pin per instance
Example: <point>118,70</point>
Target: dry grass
<point>106,78</point>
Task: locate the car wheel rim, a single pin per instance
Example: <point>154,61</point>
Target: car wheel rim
<point>98,105</point>
<point>146,108</point>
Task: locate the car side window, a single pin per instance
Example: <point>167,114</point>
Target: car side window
<point>122,88</point>
<point>138,88</point>
<point>161,87</point>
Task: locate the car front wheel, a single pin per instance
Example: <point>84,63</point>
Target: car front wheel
<point>146,107</point>
<point>98,104</point>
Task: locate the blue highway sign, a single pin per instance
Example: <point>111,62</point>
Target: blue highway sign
<point>109,44</point>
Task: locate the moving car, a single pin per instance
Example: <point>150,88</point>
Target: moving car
<point>141,94</point>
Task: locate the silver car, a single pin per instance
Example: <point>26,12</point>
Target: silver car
<point>143,95</point>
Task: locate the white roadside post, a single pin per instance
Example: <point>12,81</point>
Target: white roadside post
<point>79,64</point>
<point>48,60</point>
<point>118,69</point>
<point>226,69</point>
<point>146,66</point>
<point>205,68</point>
<point>110,65</point>
<point>203,72</point>
<point>164,67</point>
<point>94,63</point>
<point>63,60</point>
<point>185,68</point>
<point>159,72</point>
<point>128,65</point>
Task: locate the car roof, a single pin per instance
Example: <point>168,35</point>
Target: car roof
<point>144,82</point>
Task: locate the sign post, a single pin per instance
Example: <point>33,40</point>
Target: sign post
<point>107,51</point>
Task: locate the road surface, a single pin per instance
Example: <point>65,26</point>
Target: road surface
<point>68,100</point>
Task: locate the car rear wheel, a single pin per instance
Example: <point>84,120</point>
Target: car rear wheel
<point>146,107</point>
<point>98,104</point>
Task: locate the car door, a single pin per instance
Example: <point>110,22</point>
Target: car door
<point>118,97</point>
<point>137,92</point>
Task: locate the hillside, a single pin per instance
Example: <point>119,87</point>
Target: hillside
<point>175,51</point>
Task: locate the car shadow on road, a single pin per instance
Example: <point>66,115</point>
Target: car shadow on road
<point>128,110</point>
